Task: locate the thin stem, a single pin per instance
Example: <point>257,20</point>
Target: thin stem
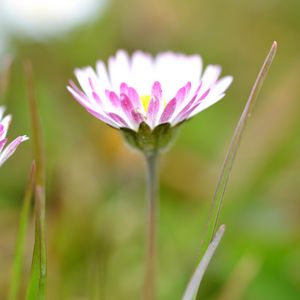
<point>152,186</point>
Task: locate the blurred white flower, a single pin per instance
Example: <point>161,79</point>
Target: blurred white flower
<point>44,18</point>
<point>2,46</point>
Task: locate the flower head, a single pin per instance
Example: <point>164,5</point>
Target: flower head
<point>142,94</point>
<point>6,152</point>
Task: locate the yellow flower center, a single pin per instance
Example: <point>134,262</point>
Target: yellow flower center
<point>145,101</point>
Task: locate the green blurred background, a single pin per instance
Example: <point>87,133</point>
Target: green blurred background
<point>96,185</point>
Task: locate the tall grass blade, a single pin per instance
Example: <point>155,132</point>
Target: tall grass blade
<point>209,240</point>
<point>193,286</point>
<point>37,282</point>
<point>234,145</point>
<point>18,258</point>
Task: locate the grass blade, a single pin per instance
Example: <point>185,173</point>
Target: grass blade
<point>217,201</point>
<point>18,259</point>
<point>36,131</point>
<point>37,283</point>
<point>193,286</point>
<point>231,154</point>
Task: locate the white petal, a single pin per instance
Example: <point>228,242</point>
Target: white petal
<point>167,73</point>
<point>84,102</point>
<point>174,70</point>
<point>195,69</point>
<point>102,75</point>
<point>118,67</point>
<point>221,85</point>
<point>83,79</point>
<point>2,110</point>
<point>141,73</point>
<point>206,103</point>
<point>210,76</point>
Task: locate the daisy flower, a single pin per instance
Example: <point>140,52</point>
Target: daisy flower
<point>147,96</point>
<point>6,152</point>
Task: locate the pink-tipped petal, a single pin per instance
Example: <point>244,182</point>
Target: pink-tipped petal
<point>157,91</point>
<point>83,79</point>
<point>113,98</point>
<point>188,87</point>
<point>11,148</point>
<point>200,106</point>
<point>204,95</point>
<point>2,143</point>
<point>80,98</point>
<point>137,117</point>
<point>6,123</point>
<point>189,109</point>
<point>1,130</point>
<point>155,104</point>
<point>91,84</point>
<point>97,98</point>
<point>118,119</point>
<point>134,97</point>
<point>103,118</point>
<point>152,111</point>
<point>184,115</point>
<point>211,96</point>
<point>131,93</point>
<point>126,106</point>
<point>76,89</point>
<point>168,111</point>
<point>180,95</point>
<point>6,152</point>
<point>123,88</point>
<point>179,116</point>
<point>205,104</point>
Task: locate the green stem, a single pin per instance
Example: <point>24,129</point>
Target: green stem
<point>152,186</point>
